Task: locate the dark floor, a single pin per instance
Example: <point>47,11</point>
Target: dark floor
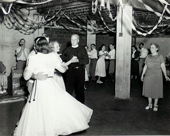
<point>111,116</point>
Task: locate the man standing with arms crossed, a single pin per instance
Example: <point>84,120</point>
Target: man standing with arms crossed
<point>75,75</point>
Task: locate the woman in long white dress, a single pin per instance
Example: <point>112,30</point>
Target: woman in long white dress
<point>55,46</point>
<point>101,66</point>
<point>50,110</point>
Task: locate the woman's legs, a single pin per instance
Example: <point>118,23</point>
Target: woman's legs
<point>149,103</point>
<point>155,105</point>
<point>99,81</point>
<point>155,102</point>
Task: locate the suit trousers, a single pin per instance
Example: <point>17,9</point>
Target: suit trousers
<point>74,80</point>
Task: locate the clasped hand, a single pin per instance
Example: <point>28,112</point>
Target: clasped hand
<point>40,76</point>
<point>74,59</point>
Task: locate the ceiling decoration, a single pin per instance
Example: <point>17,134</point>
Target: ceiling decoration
<point>150,17</point>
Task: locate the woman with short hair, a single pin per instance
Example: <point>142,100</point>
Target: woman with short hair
<point>152,76</point>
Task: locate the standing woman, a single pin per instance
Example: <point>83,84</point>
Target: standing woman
<point>101,66</point>
<point>55,46</point>
<point>135,63</point>
<point>152,76</point>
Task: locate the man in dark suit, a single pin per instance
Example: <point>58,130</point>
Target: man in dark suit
<point>75,75</point>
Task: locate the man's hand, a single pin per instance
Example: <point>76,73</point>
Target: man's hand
<point>22,47</point>
<point>74,59</point>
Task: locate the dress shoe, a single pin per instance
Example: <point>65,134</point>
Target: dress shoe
<point>148,107</point>
<point>99,82</point>
<point>155,108</point>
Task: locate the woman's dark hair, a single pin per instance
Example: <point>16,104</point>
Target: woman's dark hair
<point>112,45</point>
<point>41,45</point>
<point>156,45</point>
<point>20,41</point>
<point>141,44</point>
<point>92,45</point>
<point>100,48</point>
<point>135,47</point>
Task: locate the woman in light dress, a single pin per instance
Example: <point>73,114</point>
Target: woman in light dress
<point>55,46</point>
<point>152,77</point>
<point>101,66</point>
<point>50,110</point>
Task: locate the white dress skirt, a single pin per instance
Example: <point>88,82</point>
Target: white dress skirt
<point>101,65</point>
<point>50,110</point>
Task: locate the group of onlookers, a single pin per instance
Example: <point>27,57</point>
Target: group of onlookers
<point>148,65</point>
<point>97,65</point>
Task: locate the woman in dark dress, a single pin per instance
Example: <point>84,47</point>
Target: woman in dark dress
<point>152,76</point>
<point>135,63</point>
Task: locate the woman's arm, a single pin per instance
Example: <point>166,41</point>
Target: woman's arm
<point>143,72</point>
<point>164,71</point>
<point>39,76</point>
<point>27,74</point>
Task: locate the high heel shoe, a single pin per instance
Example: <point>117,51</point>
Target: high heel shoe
<point>155,108</point>
<point>148,107</point>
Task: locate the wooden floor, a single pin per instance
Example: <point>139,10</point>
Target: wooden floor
<point>111,116</point>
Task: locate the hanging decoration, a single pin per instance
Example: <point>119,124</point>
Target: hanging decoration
<point>154,28</point>
<point>110,29</point>
<point>13,17</point>
<point>136,27</point>
<point>104,4</point>
<point>77,24</point>
<point>94,29</point>
<point>151,10</point>
<point>33,3</point>
<point>15,20</point>
<point>3,9</point>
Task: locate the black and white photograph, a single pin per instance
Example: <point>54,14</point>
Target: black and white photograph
<point>84,67</point>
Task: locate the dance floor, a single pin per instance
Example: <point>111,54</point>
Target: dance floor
<point>111,116</point>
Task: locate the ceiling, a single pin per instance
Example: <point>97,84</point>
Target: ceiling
<point>76,13</point>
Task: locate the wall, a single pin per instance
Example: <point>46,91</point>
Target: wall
<point>63,37</point>
<point>105,39</point>
<point>9,39</point>
<point>163,42</point>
